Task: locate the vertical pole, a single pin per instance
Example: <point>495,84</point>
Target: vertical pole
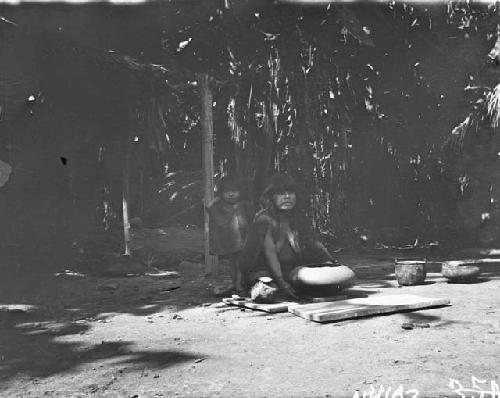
<point>141,176</point>
<point>126,199</point>
<point>211,262</point>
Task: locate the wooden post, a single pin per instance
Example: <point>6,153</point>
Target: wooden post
<point>211,262</point>
<point>126,199</point>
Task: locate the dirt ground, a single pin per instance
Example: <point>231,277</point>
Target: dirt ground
<point>150,336</point>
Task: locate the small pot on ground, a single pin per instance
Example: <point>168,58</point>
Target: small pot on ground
<point>410,272</point>
<point>460,271</point>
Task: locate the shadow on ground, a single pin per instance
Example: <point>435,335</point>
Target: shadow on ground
<point>31,342</point>
<point>33,350</point>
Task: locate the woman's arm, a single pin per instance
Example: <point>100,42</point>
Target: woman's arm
<point>271,254</point>
<point>274,265</point>
<point>254,245</point>
<point>322,252</point>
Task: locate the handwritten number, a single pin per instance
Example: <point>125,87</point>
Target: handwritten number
<point>414,392</point>
<point>475,382</point>
<point>399,392</point>
<point>456,384</point>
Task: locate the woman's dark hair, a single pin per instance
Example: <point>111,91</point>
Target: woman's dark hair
<point>280,183</point>
<point>229,183</point>
<point>277,183</point>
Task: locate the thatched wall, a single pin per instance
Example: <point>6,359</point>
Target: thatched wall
<point>375,156</point>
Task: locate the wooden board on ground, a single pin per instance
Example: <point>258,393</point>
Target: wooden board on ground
<point>275,307</point>
<point>248,303</point>
<point>475,261</point>
<point>366,306</point>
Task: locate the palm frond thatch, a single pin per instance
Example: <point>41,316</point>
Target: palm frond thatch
<point>456,139</point>
<point>493,105</point>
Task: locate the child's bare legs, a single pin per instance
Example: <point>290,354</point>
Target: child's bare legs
<point>235,273</point>
<point>236,277</point>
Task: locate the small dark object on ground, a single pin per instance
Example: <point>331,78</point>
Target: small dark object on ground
<point>408,326</point>
<point>169,289</point>
<point>108,286</point>
<point>412,325</point>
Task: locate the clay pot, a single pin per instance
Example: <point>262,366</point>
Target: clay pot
<point>460,271</point>
<point>410,272</point>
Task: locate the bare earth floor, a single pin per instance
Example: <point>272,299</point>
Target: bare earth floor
<point>149,336</point>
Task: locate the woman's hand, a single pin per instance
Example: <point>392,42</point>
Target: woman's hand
<point>331,262</point>
<point>286,288</point>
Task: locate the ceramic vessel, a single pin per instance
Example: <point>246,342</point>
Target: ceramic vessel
<point>410,272</point>
<point>323,275</point>
<point>460,271</point>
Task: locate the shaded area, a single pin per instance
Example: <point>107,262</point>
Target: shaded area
<point>31,344</point>
<point>34,351</point>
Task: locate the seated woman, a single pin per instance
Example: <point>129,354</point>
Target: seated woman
<point>281,246</point>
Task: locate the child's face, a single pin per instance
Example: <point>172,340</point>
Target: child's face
<point>285,200</point>
<point>231,196</point>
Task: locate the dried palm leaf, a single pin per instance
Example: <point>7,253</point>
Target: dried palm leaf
<point>494,54</point>
<point>493,104</point>
<point>456,139</point>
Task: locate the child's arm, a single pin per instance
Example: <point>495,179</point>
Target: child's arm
<point>212,209</point>
<point>210,204</point>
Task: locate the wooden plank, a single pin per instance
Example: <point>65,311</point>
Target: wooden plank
<point>475,261</point>
<point>274,307</point>
<point>366,306</point>
<point>248,303</point>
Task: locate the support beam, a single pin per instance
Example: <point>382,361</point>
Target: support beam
<point>211,262</point>
<point>126,200</point>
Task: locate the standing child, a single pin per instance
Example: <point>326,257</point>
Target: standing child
<point>230,216</point>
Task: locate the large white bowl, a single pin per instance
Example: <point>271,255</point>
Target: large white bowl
<point>327,275</point>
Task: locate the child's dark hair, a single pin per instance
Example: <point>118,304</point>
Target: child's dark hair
<point>229,183</point>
